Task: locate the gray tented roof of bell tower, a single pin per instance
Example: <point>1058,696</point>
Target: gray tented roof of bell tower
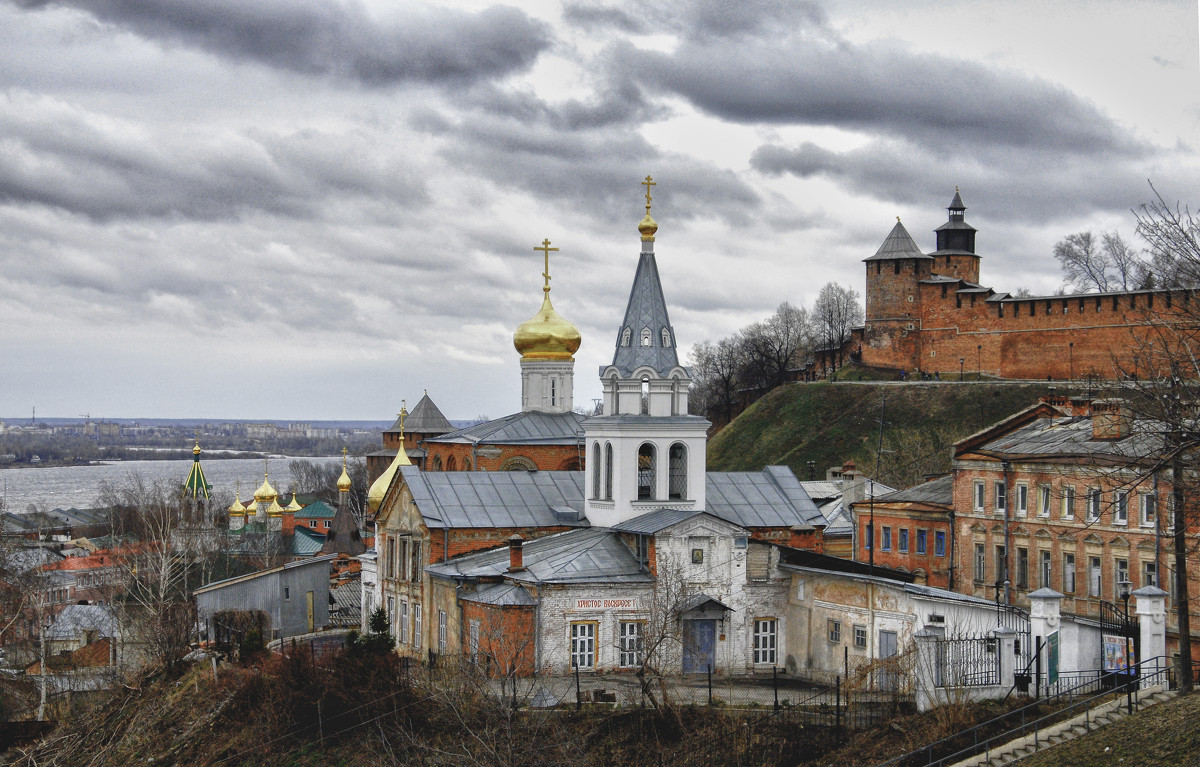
<point>646,309</point>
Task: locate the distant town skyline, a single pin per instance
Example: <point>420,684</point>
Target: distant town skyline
<point>312,210</point>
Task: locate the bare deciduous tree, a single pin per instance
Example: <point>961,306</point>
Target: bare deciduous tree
<point>1109,264</point>
<point>836,312</point>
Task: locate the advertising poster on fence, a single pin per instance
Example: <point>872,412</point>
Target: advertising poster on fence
<point>1114,653</point>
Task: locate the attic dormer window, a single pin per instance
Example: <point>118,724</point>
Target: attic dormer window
<point>666,338</point>
<point>645,336</point>
<point>625,336</point>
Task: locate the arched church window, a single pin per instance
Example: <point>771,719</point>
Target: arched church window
<point>677,478</point>
<point>437,463</point>
<point>646,472</point>
<point>596,469</point>
<point>645,395</point>
<point>466,464</point>
<point>608,471</point>
<point>666,334</point>
<point>451,465</point>
<point>645,336</point>
<point>625,336</point>
<point>518,463</point>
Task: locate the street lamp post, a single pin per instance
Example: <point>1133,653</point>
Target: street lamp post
<point>978,360</point>
<point>1071,354</point>
<point>961,360</point>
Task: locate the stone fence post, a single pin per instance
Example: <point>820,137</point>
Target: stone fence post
<point>1152,618</point>
<point>1005,640</point>
<point>928,670</point>
<point>1045,617</point>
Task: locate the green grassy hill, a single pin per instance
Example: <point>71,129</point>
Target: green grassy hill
<point>831,423</point>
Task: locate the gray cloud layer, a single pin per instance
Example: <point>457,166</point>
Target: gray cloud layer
<point>425,44</point>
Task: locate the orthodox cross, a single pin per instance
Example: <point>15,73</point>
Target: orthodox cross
<point>649,182</point>
<point>545,248</point>
<point>403,412</point>
<point>344,451</point>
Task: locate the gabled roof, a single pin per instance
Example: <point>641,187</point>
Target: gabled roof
<point>318,510</point>
<point>74,620</point>
<point>936,492</point>
<point>501,595</point>
<point>593,555</point>
<point>424,418</point>
<point>505,499</point>
<point>646,309</point>
<point>306,543</point>
<point>526,428</point>
<point>898,244</point>
<point>1070,437</point>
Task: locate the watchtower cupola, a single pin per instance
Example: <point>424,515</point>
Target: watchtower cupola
<point>955,255</point>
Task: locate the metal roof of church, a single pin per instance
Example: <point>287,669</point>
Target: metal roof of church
<point>576,556</point>
<point>647,309</point>
<point>495,498</point>
<point>527,428</point>
<point>772,497</point>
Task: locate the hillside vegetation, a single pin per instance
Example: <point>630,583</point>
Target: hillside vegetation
<point>831,423</point>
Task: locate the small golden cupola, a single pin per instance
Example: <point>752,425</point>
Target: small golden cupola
<point>380,486</point>
<point>236,509</point>
<point>265,493</point>
<point>344,484</point>
<point>294,506</point>
<point>648,227</point>
<point>547,335</point>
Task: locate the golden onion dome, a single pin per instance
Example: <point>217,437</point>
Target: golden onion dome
<point>547,335</point>
<point>274,510</point>
<point>236,508</point>
<point>343,483</point>
<point>648,227</point>
<point>251,507</point>
<point>265,492</point>
<point>294,505</point>
<point>380,486</point>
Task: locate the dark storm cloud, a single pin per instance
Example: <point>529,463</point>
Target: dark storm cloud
<point>1029,186</point>
<point>61,156</point>
<point>424,44</point>
<point>926,98</point>
<point>696,19</point>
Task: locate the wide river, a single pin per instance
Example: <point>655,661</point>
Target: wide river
<point>78,486</point>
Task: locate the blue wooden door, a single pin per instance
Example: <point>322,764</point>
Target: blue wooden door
<point>699,646</point>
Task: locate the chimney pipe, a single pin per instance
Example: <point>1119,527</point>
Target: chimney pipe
<point>516,554</point>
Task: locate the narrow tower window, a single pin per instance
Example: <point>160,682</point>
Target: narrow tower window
<point>677,488</point>
<point>553,392</point>
<point>596,469</point>
<point>608,471</point>
<point>646,336</point>
<point>646,472</point>
<point>625,336</point>
<point>645,396</point>
<point>666,334</point>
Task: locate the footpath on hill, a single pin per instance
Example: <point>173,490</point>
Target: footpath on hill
<point>1165,735</point>
<point>832,423</point>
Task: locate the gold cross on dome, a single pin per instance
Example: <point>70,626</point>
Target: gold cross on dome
<point>649,182</point>
<point>545,248</point>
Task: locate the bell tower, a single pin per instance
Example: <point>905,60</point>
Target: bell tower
<point>645,452</point>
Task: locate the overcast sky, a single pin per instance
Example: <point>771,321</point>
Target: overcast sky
<point>313,209</point>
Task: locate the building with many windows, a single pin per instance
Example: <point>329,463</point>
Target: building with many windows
<point>1063,495</point>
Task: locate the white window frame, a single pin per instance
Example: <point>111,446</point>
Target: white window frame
<point>980,563</point>
<point>1068,502</point>
<point>1149,574</point>
<point>473,646</point>
<point>1120,573</point>
<point>583,645</point>
<point>441,632</point>
<point>1095,577</point>
<point>1000,496</point>
<point>979,496</point>
<point>1147,509</point>
<point>1095,499</point>
<point>860,636</point>
<point>631,642</point>
<point>1121,508</point>
<point>1044,500</point>
<point>416,640</point>
<point>1045,568</point>
<point>766,641</point>
<point>1022,499</point>
<point>403,622</point>
<point>1068,573</point>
